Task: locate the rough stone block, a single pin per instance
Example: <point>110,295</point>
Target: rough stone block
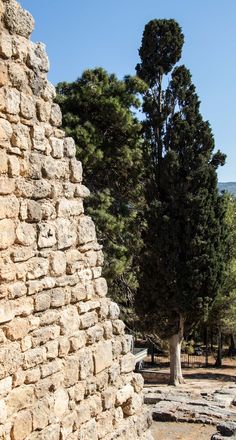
<point>7,233</point>
<point>86,230</point>
<point>103,356</point>
<point>22,426</point>
<point>18,20</point>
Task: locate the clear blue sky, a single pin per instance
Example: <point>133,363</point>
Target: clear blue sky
<point>82,34</point>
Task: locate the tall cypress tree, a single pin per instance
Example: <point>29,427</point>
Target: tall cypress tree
<point>183,258</point>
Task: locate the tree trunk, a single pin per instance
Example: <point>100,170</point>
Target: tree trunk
<point>219,350</point>
<point>207,346</point>
<point>175,342</point>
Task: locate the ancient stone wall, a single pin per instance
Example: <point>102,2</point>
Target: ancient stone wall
<point>65,367</point>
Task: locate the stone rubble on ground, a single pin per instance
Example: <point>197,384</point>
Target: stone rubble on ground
<point>172,404</point>
<point>66,371</point>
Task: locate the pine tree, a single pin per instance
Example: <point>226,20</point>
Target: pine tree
<point>182,261</point>
<point>98,111</point>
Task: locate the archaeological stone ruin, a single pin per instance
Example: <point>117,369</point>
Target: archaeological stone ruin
<point>66,371</point>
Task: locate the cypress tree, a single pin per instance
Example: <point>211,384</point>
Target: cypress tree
<point>182,261</point>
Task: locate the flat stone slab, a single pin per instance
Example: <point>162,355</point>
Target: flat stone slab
<point>173,404</point>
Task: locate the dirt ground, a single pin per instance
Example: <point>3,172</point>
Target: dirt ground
<point>181,431</point>
<point>197,380</point>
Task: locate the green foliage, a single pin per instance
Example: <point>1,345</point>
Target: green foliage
<point>98,111</point>
<point>183,258</point>
<point>223,313</point>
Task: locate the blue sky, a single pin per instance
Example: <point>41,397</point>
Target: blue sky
<point>82,34</point>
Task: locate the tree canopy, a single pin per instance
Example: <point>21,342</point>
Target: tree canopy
<point>99,112</point>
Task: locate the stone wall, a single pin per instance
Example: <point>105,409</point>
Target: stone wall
<point>65,367</point>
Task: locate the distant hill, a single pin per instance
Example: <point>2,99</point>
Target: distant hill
<point>227,186</point>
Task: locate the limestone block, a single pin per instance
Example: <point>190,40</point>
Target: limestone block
<point>41,189</point>
<point>105,424</point>
<point>5,386</point>
<point>20,398</point>
<point>52,349</point>
<point>69,147</point>
<point>56,116</point>
<point>133,406</point>
<point>124,394</point>
<point>118,327</point>
<point>77,341</point>
<point>7,271</point>
<point>5,46</point>
<point>85,363</point>
<point>37,267</point>
<point>43,110</point>
<point>26,343</point>
<point>78,293</point>
<point>76,171</point>
<point>66,233</point>
<point>34,357</point>
<point>42,335</point>
<point>83,413</point>
<point>81,191</point>
<point>94,334</point>
<point>86,230</point>
<point>34,211</point>
<point>101,288</point>
<point>57,147</point>
<point>88,431</point>
<point>37,57</point>
<point>5,131</point>
<point>17,76</point>
<point>49,91</point>
<point>3,74</point>
<point>7,233</point>
<point>25,234</point>
<point>3,162</point>
<point>109,398</point>
<point>88,320</point>
<point>14,166</point>
<point>51,368</point>
<point>102,356</point>
<point>69,321</point>
<point>22,426</point>
<point>23,306</point>
<point>67,208</point>
<point>52,169</point>
<point>12,98</point>
<point>20,137</point>
<point>32,375</point>
<point>38,135</point>
<point>27,106</point>
<point>17,329</point>
<point>64,346</point>
<point>71,370</point>
<point>42,302</point>
<point>58,297</point>
<point>107,330</point>
<point>47,235</point>
<point>41,414</point>
<point>137,382</point>
<point>3,412</point>
<point>18,20</point>
<point>58,263</point>
<point>114,372</point>
<point>61,402</point>
<point>9,207</point>
<point>127,363</point>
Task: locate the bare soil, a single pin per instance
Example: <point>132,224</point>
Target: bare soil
<point>198,379</point>
<point>181,431</point>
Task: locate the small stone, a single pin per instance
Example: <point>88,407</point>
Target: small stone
<point>57,148</point>
<point>5,46</point>
<point>25,234</point>
<point>58,263</point>
<point>47,235</point>
<point>69,147</point>
<point>86,230</point>
<point>7,233</point>
<point>56,116</point>
<point>76,171</point>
